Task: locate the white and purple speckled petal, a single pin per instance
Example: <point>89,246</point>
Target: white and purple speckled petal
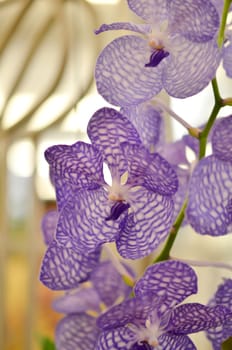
<point>107,129</point>
<point>223,296</point>
<point>138,28</point>
<point>48,225</point>
<point>151,11</point>
<point>149,123</point>
<point>82,222</point>
<point>222,139</point>
<point>175,342</point>
<point>196,20</point>
<point>133,310</point>
<point>76,332</point>
<point>191,67</point>
<point>174,152</point>
<point>80,300</point>
<point>64,268</point>
<point>227,59</point>
<point>194,317</point>
<point>172,280</point>
<point>209,209</point>
<point>149,170</point>
<point>218,5</point>
<point>65,191</point>
<point>80,164</point>
<point>115,339</point>
<point>109,283</point>
<point>218,335</point>
<point>147,226</point>
<point>121,76</point>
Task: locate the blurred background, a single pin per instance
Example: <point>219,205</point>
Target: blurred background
<point>47,95</point>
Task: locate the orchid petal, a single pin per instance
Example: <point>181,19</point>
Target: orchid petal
<point>121,76</point>
<point>210,197</point>
<point>172,280</point>
<point>76,332</point>
<point>64,268</point>
<point>146,226</point>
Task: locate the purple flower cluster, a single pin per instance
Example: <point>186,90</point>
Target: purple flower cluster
<point>128,185</point>
<point>110,319</point>
<point>153,318</point>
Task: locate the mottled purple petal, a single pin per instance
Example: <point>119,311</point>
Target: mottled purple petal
<point>223,296</point>
<point>195,317</point>
<point>48,226</point>
<point>172,280</point>
<point>218,335</point>
<point>177,342</point>
<point>64,190</point>
<point>196,20</point>
<point>210,195</point>
<point>150,10</point>
<point>227,59</point>
<point>121,76</point>
<point>139,28</point>
<point>80,300</point>
<point>109,283</point>
<point>222,139</point>
<point>76,332</point>
<point>149,170</point>
<point>175,152</point>
<point>218,5</point>
<point>107,129</point>
<point>79,164</point>
<point>83,223</point>
<point>146,226</point>
<point>149,123</point>
<point>135,310</point>
<point>115,339</point>
<point>191,68</point>
<point>64,268</point>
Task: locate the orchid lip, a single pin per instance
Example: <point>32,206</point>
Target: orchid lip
<point>156,57</point>
<point>117,209</point>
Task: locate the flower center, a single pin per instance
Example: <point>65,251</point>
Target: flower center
<point>158,43</point>
<point>148,334</point>
<point>118,194</point>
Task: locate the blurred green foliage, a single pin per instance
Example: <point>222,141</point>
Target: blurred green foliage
<point>47,344</point>
<point>227,345</point>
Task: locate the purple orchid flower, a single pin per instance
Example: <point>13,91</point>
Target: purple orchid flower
<point>135,211</point>
<point>176,50</point>
<point>64,267</point>
<point>153,319</point>
<point>223,296</point>
<point>209,209</point>
<point>78,329</point>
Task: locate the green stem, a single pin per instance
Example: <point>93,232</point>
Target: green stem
<point>223,22</point>
<point>205,132</point>
<point>165,254</point>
